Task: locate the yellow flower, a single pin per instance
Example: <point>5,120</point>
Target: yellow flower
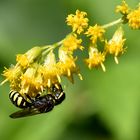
<point>22,60</point>
<point>29,57</point>
<point>123,8</point>
<point>49,71</point>
<point>31,82</point>
<point>12,74</point>
<point>95,58</point>
<point>115,45</point>
<point>50,76</point>
<point>134,19</point>
<point>78,21</point>
<point>34,53</point>
<point>71,43</point>
<point>95,32</point>
<point>67,65</point>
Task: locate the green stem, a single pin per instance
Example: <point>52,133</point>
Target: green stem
<point>58,43</point>
<point>48,48</point>
<point>112,23</point>
<point>53,46</point>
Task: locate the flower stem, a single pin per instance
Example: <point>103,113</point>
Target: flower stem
<point>53,46</point>
<point>58,43</point>
<point>48,48</point>
<point>112,23</point>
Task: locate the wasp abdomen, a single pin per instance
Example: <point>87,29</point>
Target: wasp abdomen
<point>18,100</point>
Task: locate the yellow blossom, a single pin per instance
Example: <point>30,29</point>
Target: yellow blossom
<point>31,82</point>
<point>50,60</point>
<point>67,65</point>
<point>49,71</point>
<point>115,45</point>
<point>95,32</point>
<point>25,59</point>
<point>34,53</point>
<point>78,21</point>
<point>71,43</point>
<point>38,69</point>
<point>123,8</point>
<point>134,19</point>
<point>12,74</point>
<point>50,76</point>
<point>22,60</point>
<point>95,58</point>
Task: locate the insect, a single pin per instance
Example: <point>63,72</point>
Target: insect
<point>38,105</point>
<point>57,93</point>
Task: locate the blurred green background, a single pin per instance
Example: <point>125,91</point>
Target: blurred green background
<point>104,106</point>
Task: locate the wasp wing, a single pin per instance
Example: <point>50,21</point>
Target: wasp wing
<point>25,113</point>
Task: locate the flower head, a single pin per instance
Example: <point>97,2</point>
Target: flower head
<point>95,58</point>
<point>31,82</point>
<point>67,65</point>
<point>26,59</point>
<point>115,45</point>
<point>134,18</point>
<point>78,21</point>
<point>71,43</point>
<point>123,8</point>
<point>12,75</point>
<point>34,53</point>
<point>22,60</point>
<point>39,69</point>
<point>95,32</point>
<point>49,71</point>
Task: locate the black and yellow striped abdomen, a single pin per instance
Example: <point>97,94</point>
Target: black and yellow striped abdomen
<point>18,100</point>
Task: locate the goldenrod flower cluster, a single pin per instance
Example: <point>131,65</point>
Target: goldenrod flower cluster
<point>115,45</point>
<point>77,21</point>
<point>123,8</point>
<point>132,16</point>
<point>95,32</point>
<point>40,67</point>
<point>95,58</point>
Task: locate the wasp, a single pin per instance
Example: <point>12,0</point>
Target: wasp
<point>39,104</point>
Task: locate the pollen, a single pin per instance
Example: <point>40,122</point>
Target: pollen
<point>95,32</point>
<point>134,18</point>
<point>78,21</point>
